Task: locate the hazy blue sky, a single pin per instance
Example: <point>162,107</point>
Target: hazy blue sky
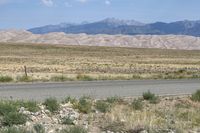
<point>31,13</point>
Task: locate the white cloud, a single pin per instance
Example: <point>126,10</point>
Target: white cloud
<point>107,2</point>
<point>48,3</point>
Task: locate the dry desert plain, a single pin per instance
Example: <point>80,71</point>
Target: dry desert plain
<point>60,62</point>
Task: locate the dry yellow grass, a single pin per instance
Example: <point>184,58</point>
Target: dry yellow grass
<point>176,113</point>
<point>46,61</point>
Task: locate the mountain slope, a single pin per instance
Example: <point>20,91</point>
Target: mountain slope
<point>51,28</point>
<point>114,26</point>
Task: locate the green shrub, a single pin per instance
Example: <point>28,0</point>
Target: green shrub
<point>6,107</point>
<point>137,104</point>
<point>75,129</point>
<point>24,78</point>
<point>180,71</point>
<point>9,112</point>
<point>31,106</point>
<point>39,128</point>
<point>103,106</point>
<point>60,78</point>
<point>6,79</point>
<point>196,96</point>
<point>84,77</point>
<point>67,121</point>
<point>148,95</point>
<point>52,104</point>
<point>14,118</point>
<point>70,99</point>
<point>114,99</point>
<point>152,98</point>
<point>136,77</point>
<point>13,130</point>
<point>85,105</point>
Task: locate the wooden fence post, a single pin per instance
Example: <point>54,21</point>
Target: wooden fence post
<point>25,71</point>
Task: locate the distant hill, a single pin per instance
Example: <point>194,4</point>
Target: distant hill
<point>137,41</point>
<point>114,26</point>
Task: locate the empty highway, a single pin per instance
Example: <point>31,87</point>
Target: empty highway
<point>97,89</point>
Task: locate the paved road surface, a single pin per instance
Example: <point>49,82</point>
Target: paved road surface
<point>97,89</point>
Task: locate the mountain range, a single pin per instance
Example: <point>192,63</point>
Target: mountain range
<point>112,26</point>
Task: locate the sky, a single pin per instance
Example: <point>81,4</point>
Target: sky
<point>25,14</point>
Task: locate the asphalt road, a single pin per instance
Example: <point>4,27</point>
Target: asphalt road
<point>97,89</point>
